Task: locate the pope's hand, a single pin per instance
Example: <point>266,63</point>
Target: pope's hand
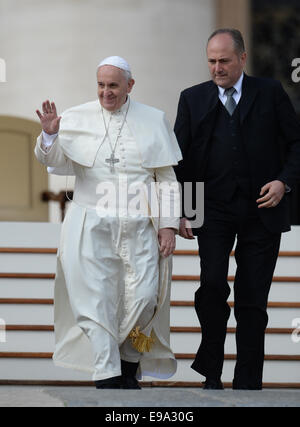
<point>49,119</point>
<point>167,241</point>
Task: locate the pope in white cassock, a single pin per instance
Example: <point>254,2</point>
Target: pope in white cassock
<point>112,287</point>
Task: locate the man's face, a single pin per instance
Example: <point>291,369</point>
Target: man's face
<point>224,62</point>
<point>113,87</point>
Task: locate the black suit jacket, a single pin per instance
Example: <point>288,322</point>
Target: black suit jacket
<point>270,134</point>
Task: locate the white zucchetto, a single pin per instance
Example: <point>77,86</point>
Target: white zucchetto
<point>116,61</point>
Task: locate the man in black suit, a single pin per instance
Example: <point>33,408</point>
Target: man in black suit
<point>241,137</point>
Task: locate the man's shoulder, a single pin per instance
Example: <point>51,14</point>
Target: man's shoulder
<point>199,88</point>
<point>147,108</point>
<point>138,107</point>
<point>209,85</point>
<point>262,82</point>
<point>86,107</point>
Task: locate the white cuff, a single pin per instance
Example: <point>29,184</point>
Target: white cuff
<point>47,140</point>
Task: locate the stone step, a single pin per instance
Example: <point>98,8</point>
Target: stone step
<point>40,367</point>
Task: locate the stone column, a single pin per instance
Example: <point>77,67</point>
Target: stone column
<point>236,14</point>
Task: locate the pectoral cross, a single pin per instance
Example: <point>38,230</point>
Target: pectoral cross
<point>112,160</point>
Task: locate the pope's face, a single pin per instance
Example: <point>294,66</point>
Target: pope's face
<point>113,87</point>
<point>225,63</point>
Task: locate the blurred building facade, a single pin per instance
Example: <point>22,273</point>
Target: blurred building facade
<point>51,50</point>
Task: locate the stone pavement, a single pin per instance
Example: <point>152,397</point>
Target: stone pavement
<point>49,396</point>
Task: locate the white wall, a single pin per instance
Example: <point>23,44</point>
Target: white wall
<point>52,48</point>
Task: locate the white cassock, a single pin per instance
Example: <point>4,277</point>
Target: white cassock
<point>112,287</point>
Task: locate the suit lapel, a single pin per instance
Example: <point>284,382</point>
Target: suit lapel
<point>249,92</point>
<point>208,104</point>
<point>207,113</point>
<point>211,99</point>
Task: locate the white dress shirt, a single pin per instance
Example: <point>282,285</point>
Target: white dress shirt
<point>237,94</point>
<point>47,140</point>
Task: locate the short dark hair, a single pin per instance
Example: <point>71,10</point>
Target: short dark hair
<point>236,35</point>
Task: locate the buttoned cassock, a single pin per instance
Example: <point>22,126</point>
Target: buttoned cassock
<point>108,282</point>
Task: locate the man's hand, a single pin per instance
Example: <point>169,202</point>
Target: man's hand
<point>167,241</point>
<point>272,193</point>
<point>185,229</point>
<point>49,119</point>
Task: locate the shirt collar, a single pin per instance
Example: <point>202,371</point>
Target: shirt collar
<point>237,86</point>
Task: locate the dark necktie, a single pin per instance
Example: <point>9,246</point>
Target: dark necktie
<point>230,103</point>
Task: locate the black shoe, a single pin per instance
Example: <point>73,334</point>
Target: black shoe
<point>109,383</point>
<point>213,384</point>
<point>129,380</point>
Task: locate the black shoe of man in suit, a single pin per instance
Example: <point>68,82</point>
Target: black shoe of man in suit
<point>213,384</point>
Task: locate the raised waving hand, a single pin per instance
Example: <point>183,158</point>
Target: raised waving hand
<point>49,118</point>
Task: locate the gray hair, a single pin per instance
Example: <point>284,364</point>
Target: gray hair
<point>236,36</point>
<point>127,75</point>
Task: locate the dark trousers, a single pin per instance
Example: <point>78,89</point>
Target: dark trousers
<point>256,254</point>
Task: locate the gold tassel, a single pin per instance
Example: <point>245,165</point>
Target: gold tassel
<point>140,341</point>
